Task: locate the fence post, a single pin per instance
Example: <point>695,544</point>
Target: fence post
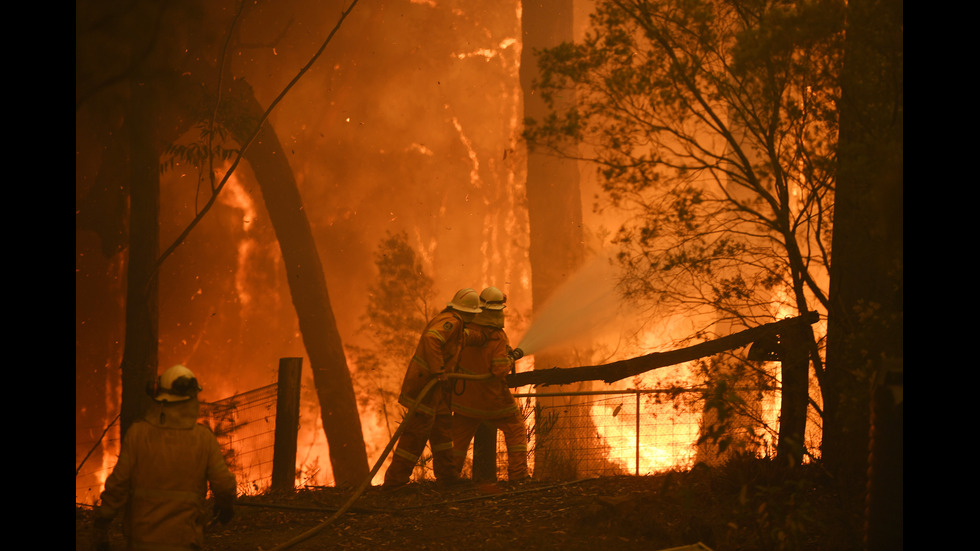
<point>637,433</point>
<point>795,358</point>
<point>287,424</point>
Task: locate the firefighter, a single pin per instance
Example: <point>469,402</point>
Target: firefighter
<point>489,401</point>
<point>437,354</point>
<point>165,466</point>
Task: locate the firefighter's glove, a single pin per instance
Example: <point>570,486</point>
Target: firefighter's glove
<point>224,508</point>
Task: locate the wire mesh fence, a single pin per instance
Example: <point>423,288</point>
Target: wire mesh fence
<point>244,425</point>
<point>609,433</point>
<point>616,432</point>
<point>571,435</point>
<point>96,449</point>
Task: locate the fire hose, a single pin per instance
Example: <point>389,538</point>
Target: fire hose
<point>377,466</point>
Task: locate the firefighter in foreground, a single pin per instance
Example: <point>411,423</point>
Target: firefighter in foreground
<point>489,401</point>
<point>165,466</point>
<point>437,354</point>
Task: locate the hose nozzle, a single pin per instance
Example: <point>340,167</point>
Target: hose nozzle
<point>516,354</point>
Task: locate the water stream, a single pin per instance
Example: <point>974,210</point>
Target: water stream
<point>587,305</point>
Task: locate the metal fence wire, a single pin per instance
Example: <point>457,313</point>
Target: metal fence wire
<point>245,425</point>
<point>615,432</point>
<point>605,433</point>
<point>571,435</point>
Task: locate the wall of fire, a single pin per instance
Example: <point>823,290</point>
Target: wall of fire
<point>409,122</point>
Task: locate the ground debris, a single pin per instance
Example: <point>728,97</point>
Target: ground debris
<point>624,513</point>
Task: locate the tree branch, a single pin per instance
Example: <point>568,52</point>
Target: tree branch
<point>616,371</point>
<point>258,127</point>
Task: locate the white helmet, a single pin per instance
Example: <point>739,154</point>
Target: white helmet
<point>493,299</point>
<point>176,385</point>
<point>466,300</point>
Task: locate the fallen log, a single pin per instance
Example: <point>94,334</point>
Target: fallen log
<point>622,369</point>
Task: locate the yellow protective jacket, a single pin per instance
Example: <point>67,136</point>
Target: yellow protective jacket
<point>161,479</point>
<point>490,399</point>
<point>438,351</point>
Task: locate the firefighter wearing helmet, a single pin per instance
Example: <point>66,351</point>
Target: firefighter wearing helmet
<point>489,401</point>
<point>166,465</point>
<point>437,354</point>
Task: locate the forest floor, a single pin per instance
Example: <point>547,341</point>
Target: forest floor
<point>745,506</point>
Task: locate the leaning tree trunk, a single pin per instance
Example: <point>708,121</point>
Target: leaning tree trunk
<point>308,287</point>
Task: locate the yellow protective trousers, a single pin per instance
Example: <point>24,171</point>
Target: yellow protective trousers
<point>419,428</point>
<point>515,436</point>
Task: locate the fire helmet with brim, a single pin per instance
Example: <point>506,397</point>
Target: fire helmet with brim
<point>466,300</point>
<point>493,298</point>
<point>176,384</point>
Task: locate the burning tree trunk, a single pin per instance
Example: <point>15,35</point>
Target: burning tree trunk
<point>338,406</point>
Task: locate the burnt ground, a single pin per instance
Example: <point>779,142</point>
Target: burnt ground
<point>750,505</point>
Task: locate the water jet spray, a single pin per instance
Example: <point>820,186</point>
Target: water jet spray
<point>587,304</point>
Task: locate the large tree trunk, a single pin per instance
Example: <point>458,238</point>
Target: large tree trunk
<point>139,362</point>
<point>555,219</point>
<point>865,331</point>
<point>553,194</point>
<point>338,406</point>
